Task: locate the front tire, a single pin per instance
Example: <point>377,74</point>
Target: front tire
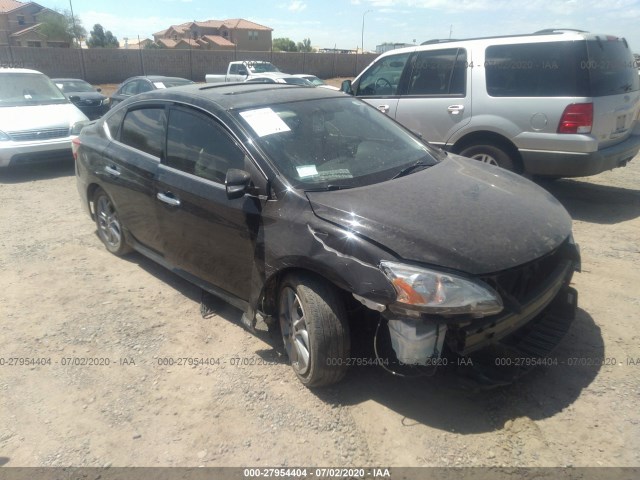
<point>315,330</point>
<point>109,225</point>
<point>491,154</point>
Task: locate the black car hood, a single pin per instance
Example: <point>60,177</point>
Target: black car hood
<point>458,214</point>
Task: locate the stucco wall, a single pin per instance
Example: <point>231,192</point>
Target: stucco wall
<point>113,66</point>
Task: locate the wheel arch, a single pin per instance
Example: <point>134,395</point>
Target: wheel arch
<point>483,137</point>
<point>268,302</point>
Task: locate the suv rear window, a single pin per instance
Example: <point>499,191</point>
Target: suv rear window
<point>611,67</point>
<point>555,69</point>
<point>592,68</point>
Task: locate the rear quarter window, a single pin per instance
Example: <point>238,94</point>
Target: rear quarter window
<point>553,69</point>
<point>612,67</point>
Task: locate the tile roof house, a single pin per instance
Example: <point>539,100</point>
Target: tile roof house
<point>217,35</point>
<point>19,23</point>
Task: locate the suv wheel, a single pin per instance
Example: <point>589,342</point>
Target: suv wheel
<point>314,328</point>
<point>490,154</point>
<point>108,224</point>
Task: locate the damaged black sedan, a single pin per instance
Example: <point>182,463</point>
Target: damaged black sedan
<point>294,204</point>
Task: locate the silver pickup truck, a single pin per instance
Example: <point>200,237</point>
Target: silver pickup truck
<point>242,70</point>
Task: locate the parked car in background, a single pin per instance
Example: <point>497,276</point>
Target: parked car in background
<point>318,82</point>
<point>240,71</point>
<point>309,209</point>
<point>135,85</point>
<point>84,96</point>
<point>559,103</point>
<point>279,78</point>
<point>37,122</point>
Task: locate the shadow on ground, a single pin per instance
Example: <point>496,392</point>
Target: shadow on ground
<point>35,172</point>
<point>595,203</point>
<point>441,401</point>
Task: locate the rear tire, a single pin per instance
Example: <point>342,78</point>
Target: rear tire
<point>108,223</point>
<point>315,330</point>
<point>491,154</point>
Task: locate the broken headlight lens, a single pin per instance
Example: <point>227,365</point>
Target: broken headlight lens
<point>441,293</point>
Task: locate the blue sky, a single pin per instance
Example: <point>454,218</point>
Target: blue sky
<point>338,23</point>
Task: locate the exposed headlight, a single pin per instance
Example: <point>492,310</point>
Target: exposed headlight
<point>77,127</point>
<point>441,293</point>
<point>4,137</point>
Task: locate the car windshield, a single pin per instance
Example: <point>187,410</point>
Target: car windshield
<point>73,86</point>
<point>335,143</point>
<point>262,67</point>
<point>174,82</point>
<point>297,81</point>
<point>18,89</point>
<point>315,80</point>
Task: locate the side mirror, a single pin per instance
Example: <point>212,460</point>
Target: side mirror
<point>244,72</point>
<point>74,98</point>
<point>346,87</point>
<point>236,183</point>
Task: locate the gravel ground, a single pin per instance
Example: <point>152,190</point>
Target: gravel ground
<point>64,297</point>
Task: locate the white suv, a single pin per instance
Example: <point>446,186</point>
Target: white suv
<point>37,122</point>
<point>560,103</point>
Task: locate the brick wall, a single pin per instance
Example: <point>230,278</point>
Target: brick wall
<point>113,66</point>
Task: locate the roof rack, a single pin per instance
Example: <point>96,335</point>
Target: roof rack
<point>557,30</point>
<point>439,40</point>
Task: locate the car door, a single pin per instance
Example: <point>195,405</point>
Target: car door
<point>206,234</point>
<point>130,167</point>
<point>381,84</point>
<point>436,102</point>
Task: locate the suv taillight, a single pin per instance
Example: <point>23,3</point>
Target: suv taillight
<point>75,144</point>
<point>576,118</point>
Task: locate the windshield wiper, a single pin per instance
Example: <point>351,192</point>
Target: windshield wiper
<point>328,188</point>
<point>411,168</point>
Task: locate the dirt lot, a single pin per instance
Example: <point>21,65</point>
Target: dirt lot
<point>64,296</point>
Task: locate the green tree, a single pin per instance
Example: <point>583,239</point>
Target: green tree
<point>60,26</point>
<point>284,45</point>
<point>305,45</point>
<point>98,38</point>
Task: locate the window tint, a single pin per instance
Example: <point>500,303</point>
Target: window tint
<point>439,72</point>
<point>197,145</point>
<point>144,86</point>
<point>537,70</point>
<point>130,88</point>
<point>383,77</point>
<point>144,129</point>
<point>114,121</point>
<point>612,67</point>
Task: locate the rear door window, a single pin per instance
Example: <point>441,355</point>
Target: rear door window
<point>439,72</point>
<point>553,69</point>
<point>144,129</point>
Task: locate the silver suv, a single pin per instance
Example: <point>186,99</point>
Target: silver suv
<point>559,103</point>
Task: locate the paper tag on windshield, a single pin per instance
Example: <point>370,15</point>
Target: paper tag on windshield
<point>307,171</point>
<point>264,121</point>
<point>159,85</point>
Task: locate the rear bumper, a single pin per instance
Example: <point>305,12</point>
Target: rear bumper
<point>569,164</point>
<point>18,153</point>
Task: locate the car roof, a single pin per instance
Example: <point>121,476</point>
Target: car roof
<point>232,96</point>
<point>68,80</point>
<point>156,78</point>
<point>541,36</point>
<point>19,70</point>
